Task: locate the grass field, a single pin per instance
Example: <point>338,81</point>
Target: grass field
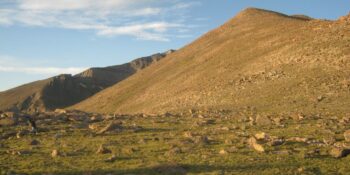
<point>197,143</point>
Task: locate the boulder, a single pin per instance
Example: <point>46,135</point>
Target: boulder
<point>253,144</point>
<point>298,116</point>
<point>103,150</point>
<point>112,126</point>
<point>61,111</point>
<point>55,153</point>
<point>111,159</point>
<point>262,136</point>
<point>262,120</point>
<point>339,152</point>
<point>232,149</point>
<point>201,140</point>
<point>22,133</point>
<point>347,135</point>
<point>275,141</point>
<point>34,142</point>
<point>329,140</point>
<point>8,121</point>
<point>222,152</point>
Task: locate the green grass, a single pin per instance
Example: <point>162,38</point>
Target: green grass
<point>152,148</point>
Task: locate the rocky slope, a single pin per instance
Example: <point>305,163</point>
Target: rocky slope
<point>259,59</point>
<point>65,90</point>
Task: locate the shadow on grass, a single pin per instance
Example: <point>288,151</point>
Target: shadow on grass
<point>178,169</point>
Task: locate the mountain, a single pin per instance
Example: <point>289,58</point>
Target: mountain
<point>65,90</point>
<point>261,60</point>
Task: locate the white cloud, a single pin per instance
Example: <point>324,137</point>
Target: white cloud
<point>78,4</point>
<point>43,70</point>
<point>147,31</point>
<point>141,19</point>
<point>14,65</point>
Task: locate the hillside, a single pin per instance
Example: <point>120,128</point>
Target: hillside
<point>65,90</point>
<point>260,59</point>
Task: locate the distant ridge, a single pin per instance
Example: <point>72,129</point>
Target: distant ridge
<point>64,90</point>
<point>261,59</point>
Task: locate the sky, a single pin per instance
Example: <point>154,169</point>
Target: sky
<point>44,38</point>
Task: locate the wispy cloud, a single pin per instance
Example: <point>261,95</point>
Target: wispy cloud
<point>43,70</point>
<point>141,19</point>
<point>14,65</point>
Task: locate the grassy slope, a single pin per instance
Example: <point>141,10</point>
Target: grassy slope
<point>259,58</point>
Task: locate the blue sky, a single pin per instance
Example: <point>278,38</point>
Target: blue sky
<point>43,38</point>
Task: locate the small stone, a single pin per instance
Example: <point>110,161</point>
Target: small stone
<point>320,98</point>
<point>188,134</point>
<point>225,128</point>
<point>34,142</point>
<point>22,133</point>
<point>277,120</point>
<point>253,144</point>
<point>23,152</point>
<point>174,151</point>
<point>93,126</point>
<point>232,149</point>
<point>262,136</point>
<point>223,152</point>
<point>55,153</point>
<point>298,139</point>
<point>60,111</point>
<point>275,141</point>
<point>111,159</point>
<point>228,142</point>
<point>262,120</point>
<point>298,116</point>
<point>282,152</point>
<point>347,135</point>
<point>7,121</point>
<point>103,150</point>
<point>201,140</point>
<point>329,140</point>
<point>301,170</point>
<point>339,152</point>
<point>112,126</point>
<point>129,151</point>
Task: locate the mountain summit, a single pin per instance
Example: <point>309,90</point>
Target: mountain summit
<point>262,59</point>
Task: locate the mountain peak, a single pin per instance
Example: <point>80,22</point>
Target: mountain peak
<point>254,12</point>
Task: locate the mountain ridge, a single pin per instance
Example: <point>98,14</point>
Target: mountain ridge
<point>64,90</point>
<point>257,54</point>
